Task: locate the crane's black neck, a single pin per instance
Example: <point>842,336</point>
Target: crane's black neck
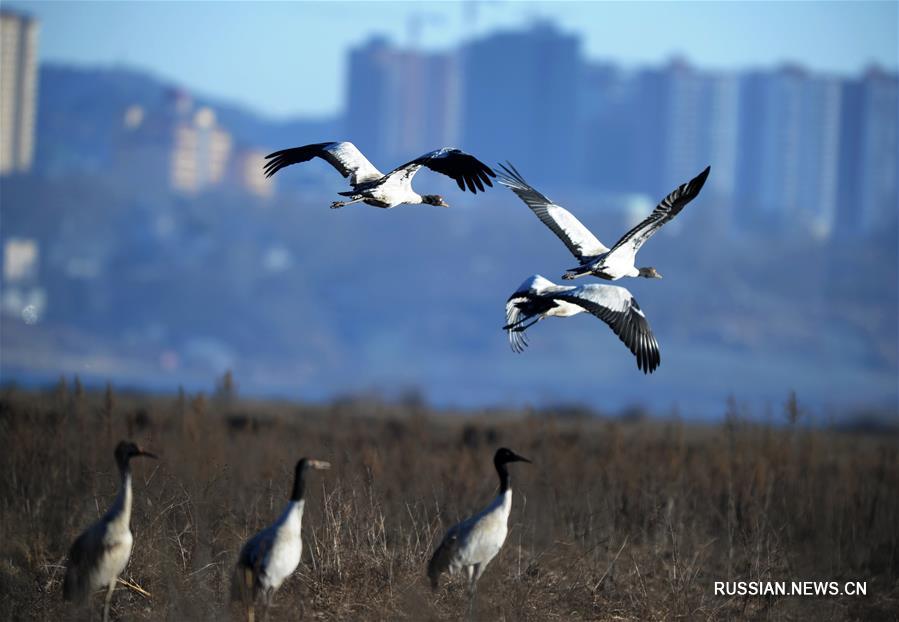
<point>124,464</point>
<point>299,482</point>
<point>504,481</point>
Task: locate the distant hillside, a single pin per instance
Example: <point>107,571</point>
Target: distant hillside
<point>300,300</point>
<point>81,109</point>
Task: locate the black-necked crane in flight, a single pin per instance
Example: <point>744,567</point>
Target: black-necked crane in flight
<point>538,298</point>
<point>373,187</point>
<point>595,258</point>
<point>270,556</point>
<point>99,555</point>
<point>471,544</point>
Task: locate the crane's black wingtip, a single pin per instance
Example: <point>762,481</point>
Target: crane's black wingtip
<point>272,167</point>
<point>695,185</point>
<point>509,174</point>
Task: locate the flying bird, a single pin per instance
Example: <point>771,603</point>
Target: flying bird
<point>471,544</point>
<point>99,555</point>
<point>594,257</point>
<point>373,187</point>
<point>538,298</point>
<point>270,556</point>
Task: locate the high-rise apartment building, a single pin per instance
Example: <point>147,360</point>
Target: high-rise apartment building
<point>18,91</point>
<point>521,99</point>
<point>200,152</point>
<point>868,153</point>
<point>790,145</point>
<point>685,119</point>
<point>178,145</point>
<point>401,102</point>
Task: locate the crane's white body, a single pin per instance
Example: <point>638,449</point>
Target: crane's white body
<point>611,266</point>
<point>480,538</point>
<point>564,309</point>
<point>395,189</point>
<point>274,553</point>
<point>113,540</point>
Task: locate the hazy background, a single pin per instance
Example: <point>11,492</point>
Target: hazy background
<point>141,244</point>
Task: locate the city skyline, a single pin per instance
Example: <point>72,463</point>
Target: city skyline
<point>786,144</point>
<point>272,76</point>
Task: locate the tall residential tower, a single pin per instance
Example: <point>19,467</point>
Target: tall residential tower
<point>18,91</point>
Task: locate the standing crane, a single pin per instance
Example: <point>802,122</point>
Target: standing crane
<point>99,555</point>
<point>471,544</point>
<point>272,555</point>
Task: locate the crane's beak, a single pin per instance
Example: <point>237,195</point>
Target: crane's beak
<point>320,465</point>
<point>522,459</point>
<point>146,454</point>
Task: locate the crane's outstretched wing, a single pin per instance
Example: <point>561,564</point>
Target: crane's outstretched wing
<point>582,244</point>
<point>664,211</point>
<point>344,156</point>
<point>464,168</point>
<point>514,320</point>
<point>616,307</point>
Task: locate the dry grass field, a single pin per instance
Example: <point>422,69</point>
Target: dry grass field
<point>615,520</point>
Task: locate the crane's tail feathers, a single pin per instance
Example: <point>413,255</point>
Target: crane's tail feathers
<point>434,575</point>
<point>440,560</point>
<point>74,586</point>
<point>242,584</point>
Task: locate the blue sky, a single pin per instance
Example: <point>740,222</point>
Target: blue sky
<point>287,59</point>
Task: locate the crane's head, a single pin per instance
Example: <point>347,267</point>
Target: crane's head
<point>504,456</point>
<point>307,463</point>
<point>650,273</point>
<point>126,450</point>
<point>434,199</point>
<point>299,476</point>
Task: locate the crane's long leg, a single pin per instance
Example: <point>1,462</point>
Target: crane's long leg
<point>473,575</point>
<point>519,326</point>
<point>574,274</point>
<point>247,593</point>
<point>337,204</point>
<point>267,597</point>
<point>109,591</point>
